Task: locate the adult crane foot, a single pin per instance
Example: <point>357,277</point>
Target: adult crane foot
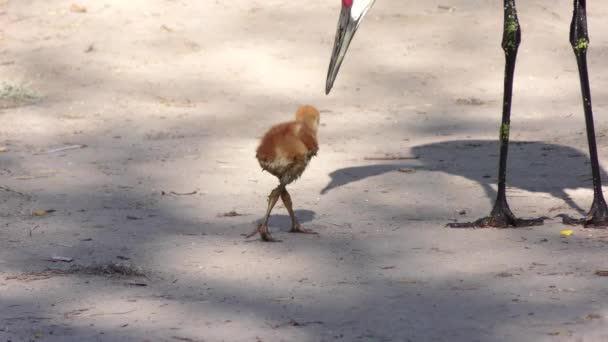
<point>501,217</point>
<point>596,218</point>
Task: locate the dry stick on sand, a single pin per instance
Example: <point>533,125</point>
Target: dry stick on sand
<point>6,188</point>
<point>184,193</point>
<point>65,148</point>
<point>391,158</point>
<point>109,313</point>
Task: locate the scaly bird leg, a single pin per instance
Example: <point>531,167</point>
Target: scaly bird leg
<point>501,216</point>
<point>263,227</point>
<point>579,39</point>
<point>295,225</point>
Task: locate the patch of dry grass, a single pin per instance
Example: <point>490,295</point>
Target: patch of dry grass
<point>111,270</point>
<point>16,95</point>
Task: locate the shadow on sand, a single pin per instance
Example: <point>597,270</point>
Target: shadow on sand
<point>533,166</point>
<point>283,222</point>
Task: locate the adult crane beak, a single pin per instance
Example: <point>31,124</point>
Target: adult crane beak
<point>348,24</point>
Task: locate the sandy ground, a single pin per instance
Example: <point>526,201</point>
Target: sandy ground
<point>169,97</point>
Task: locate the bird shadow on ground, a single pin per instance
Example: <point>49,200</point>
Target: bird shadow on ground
<point>283,222</point>
<point>352,174</point>
<point>533,166</point>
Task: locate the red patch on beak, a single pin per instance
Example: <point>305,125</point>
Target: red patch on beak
<point>347,3</point>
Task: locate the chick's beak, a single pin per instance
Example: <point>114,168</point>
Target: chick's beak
<point>347,26</point>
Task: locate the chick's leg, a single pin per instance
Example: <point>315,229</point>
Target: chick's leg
<point>295,225</point>
<point>263,227</point>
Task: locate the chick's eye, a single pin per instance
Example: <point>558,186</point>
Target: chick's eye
<point>347,3</point>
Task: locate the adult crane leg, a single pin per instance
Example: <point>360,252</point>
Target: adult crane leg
<point>501,216</point>
<point>579,38</point>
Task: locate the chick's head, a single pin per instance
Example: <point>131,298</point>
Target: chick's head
<point>309,115</point>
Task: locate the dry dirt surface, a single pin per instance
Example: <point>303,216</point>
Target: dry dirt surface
<point>127,174</point>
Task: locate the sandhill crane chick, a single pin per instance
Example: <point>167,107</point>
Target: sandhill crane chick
<point>285,151</point>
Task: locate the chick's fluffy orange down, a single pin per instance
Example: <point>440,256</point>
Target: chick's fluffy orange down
<point>286,149</point>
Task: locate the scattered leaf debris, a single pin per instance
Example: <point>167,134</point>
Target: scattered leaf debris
<point>76,312</point>
<point>179,193</point>
<point>34,276</point>
<point>105,270</point>
<point>43,212</point>
<point>295,323</point>
<point>408,281</point>
<point>292,322</point>
<point>471,101</point>
<point>186,339</point>
<point>592,316</point>
<point>504,275</point>
<point>446,8</point>
<point>231,213</point>
<point>76,8</point>
<point>560,332</point>
<point>406,170</point>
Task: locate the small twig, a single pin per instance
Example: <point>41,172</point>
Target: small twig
<point>292,322</point>
<point>110,313</point>
<point>184,193</point>
<point>391,158</point>
<point>388,267</point>
<point>32,229</point>
<point>65,148</point>
<point>138,284</point>
<point>179,338</point>
<point>6,188</point>
<point>406,170</point>
<point>62,245</point>
<point>26,317</point>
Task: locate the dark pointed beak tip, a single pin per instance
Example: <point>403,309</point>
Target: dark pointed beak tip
<point>345,31</point>
<point>329,84</point>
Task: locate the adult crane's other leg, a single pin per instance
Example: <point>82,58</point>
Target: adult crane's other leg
<point>579,38</point>
<point>501,216</point>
